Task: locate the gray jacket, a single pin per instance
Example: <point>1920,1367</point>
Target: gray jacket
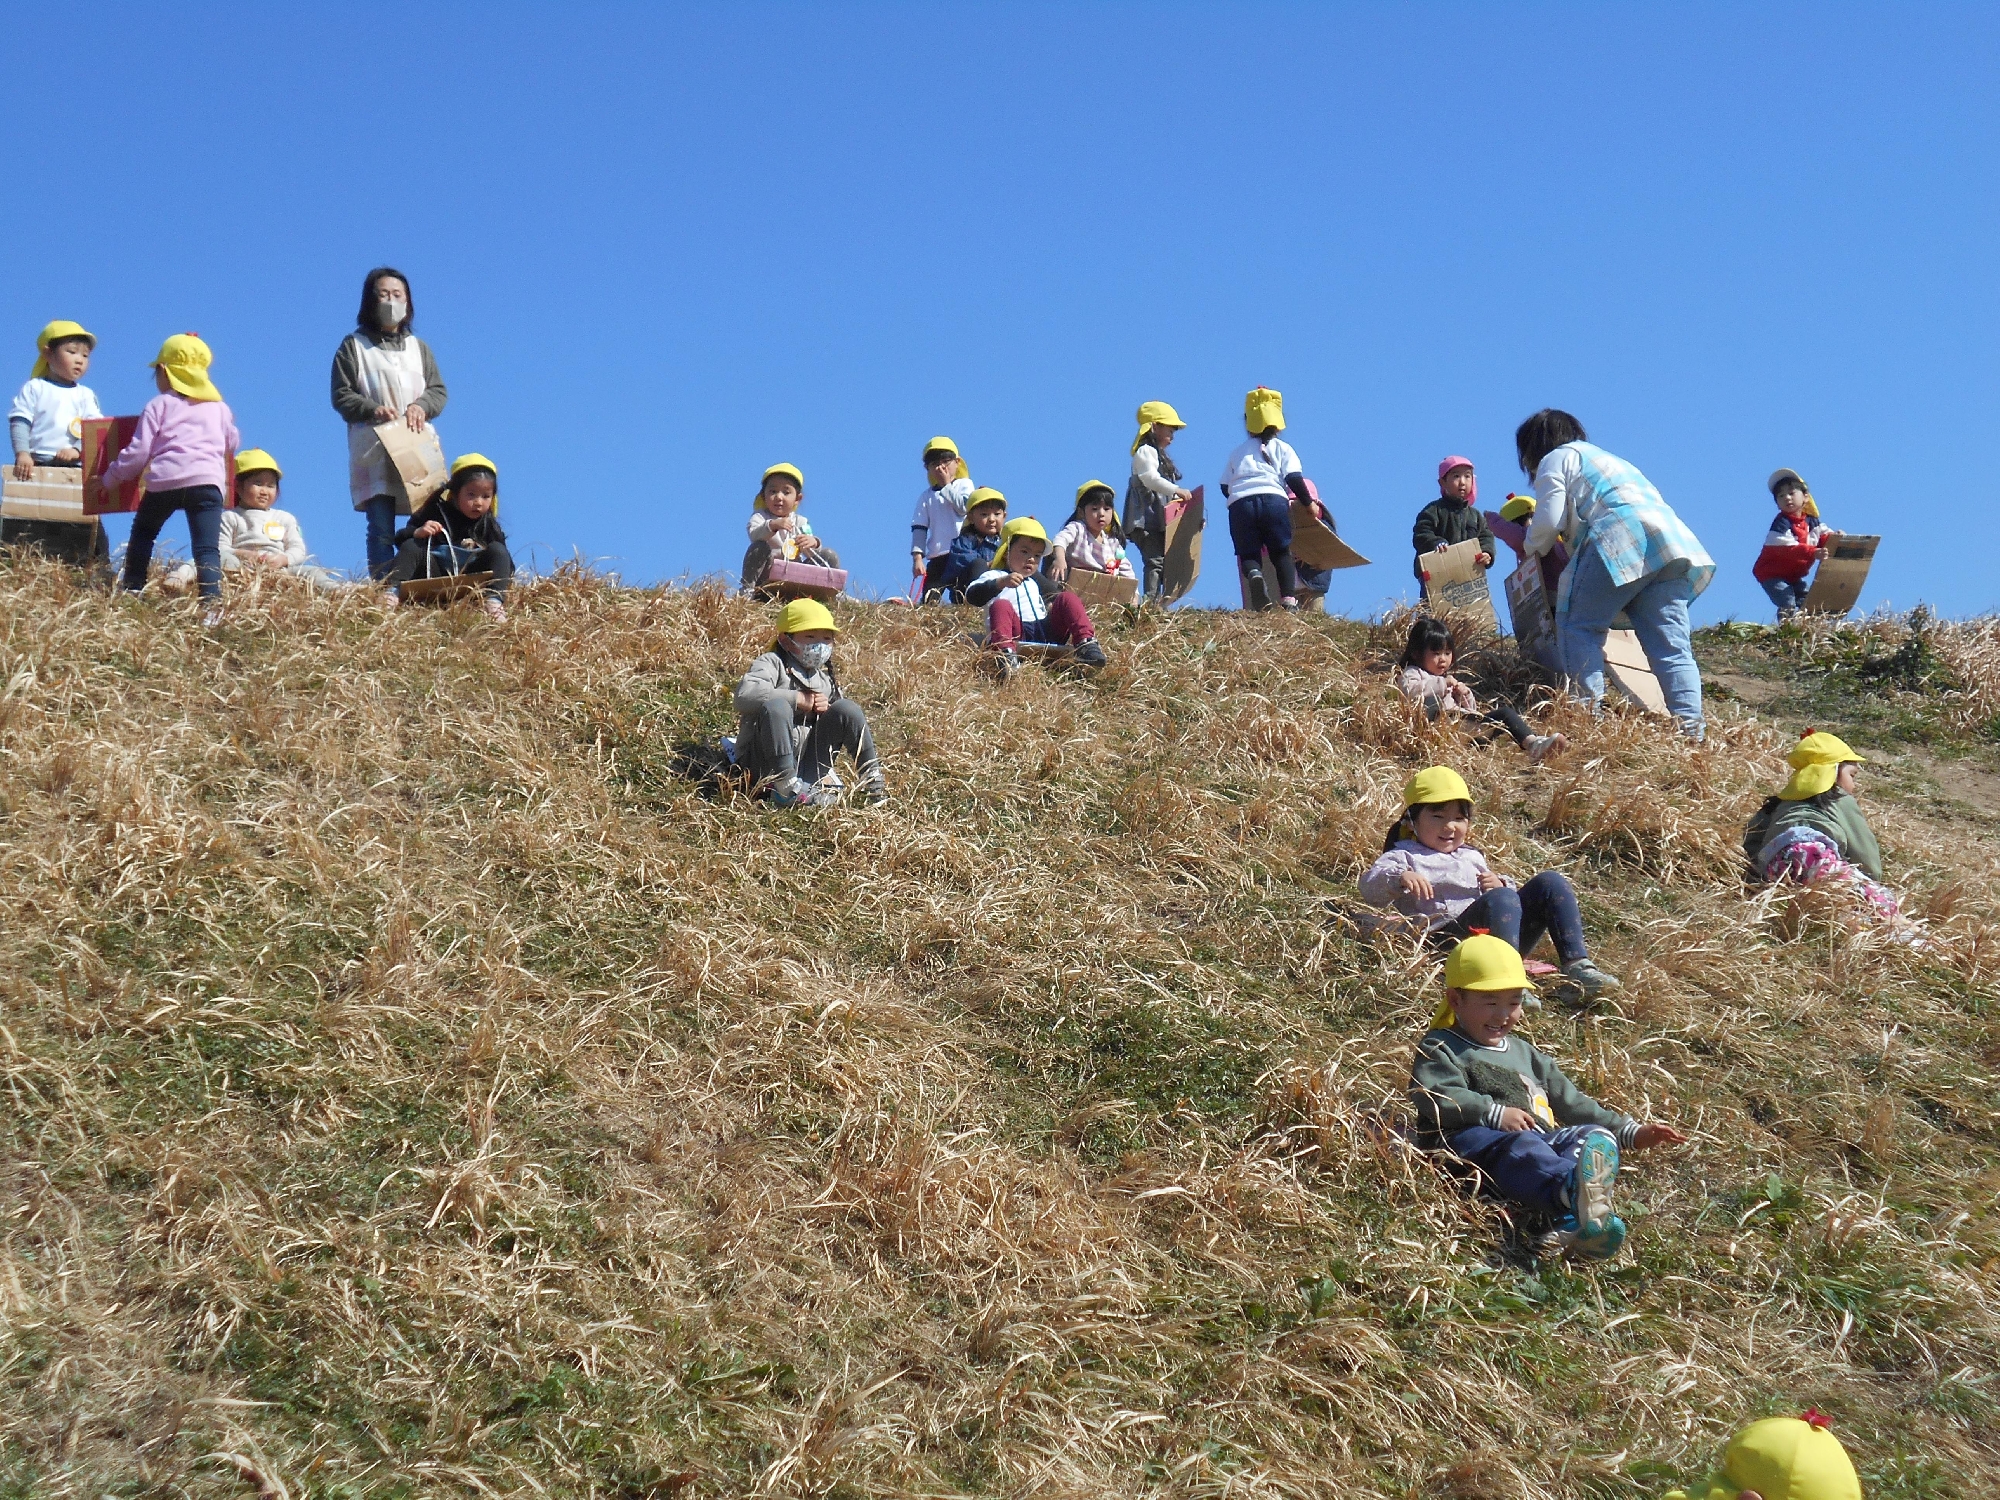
<point>348,397</point>
<point>776,675</point>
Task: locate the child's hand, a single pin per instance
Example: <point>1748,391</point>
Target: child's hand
<point>916,565</point>
<point>70,455</point>
<point>430,528</point>
<point>1652,1133</point>
<point>24,466</point>
<point>1415,885</point>
<point>1443,547</point>
<point>807,543</point>
<point>1059,566</point>
<point>1184,494</point>
<point>811,703</point>
<point>1484,559</point>
<point>1488,881</point>
<point>1015,580</point>
<point>1516,1120</point>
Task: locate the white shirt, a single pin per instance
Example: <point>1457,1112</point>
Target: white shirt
<point>1259,468</point>
<point>939,513</point>
<point>1146,469</point>
<point>1025,596</point>
<point>245,531</point>
<point>55,415</point>
<point>783,534</point>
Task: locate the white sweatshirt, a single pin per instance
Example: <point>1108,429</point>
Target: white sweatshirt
<point>939,512</point>
<point>1258,467</point>
<point>246,531</point>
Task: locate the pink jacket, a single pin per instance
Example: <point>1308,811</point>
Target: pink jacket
<point>180,444</point>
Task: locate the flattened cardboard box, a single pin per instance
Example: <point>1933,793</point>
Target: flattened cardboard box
<point>1317,544</point>
<point>1837,585</point>
<point>52,495</point>
<point>1454,581</point>
<point>1098,590</point>
<point>1182,563</point>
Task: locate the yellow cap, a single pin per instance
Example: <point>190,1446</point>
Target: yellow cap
<point>1485,962</point>
<point>1094,484</point>
<point>1783,1458</point>
<point>805,614</point>
<point>185,359</point>
<point>941,445</point>
<point>790,471</point>
<point>1015,530</point>
<point>475,461</point>
<point>1816,761</point>
<point>984,495</point>
<point>1517,507</point>
<point>1151,412</point>
<point>255,460</point>
<point>1263,408</point>
<point>62,328</point>
<point>1436,784</point>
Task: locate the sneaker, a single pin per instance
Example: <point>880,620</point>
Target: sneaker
<point>1288,602</point>
<point>792,793</point>
<point>1606,1243</point>
<point>211,617</point>
<point>1590,1183</point>
<point>1254,587</point>
<point>873,792</point>
<point>1089,654</point>
<point>1006,664</point>
<point>1587,977</point>
<point>1541,746</point>
<point>496,609</point>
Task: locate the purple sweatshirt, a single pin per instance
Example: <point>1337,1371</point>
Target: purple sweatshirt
<point>1454,881</point>
<point>179,443</point>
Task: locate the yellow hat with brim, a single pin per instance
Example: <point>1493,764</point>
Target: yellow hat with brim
<point>1481,962</point>
<point>1518,507</point>
<point>1783,476</point>
<point>256,461</point>
<point>184,359</point>
<point>1094,484</point>
<point>1816,761</point>
<point>789,471</point>
<point>941,445</point>
<point>1435,784</point>
<point>55,333</point>
<point>475,461</point>
<point>805,614</point>
<point>984,495</point>
<point>1020,528</point>
<point>1263,408</point>
<point>1155,414</point>
<point>1783,1458</point>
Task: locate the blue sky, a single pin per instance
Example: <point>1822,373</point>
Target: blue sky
<point>658,248</point>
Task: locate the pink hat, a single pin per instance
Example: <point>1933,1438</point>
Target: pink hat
<point>1456,461</point>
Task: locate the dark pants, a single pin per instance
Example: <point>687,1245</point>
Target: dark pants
<point>1068,624</point>
<point>203,504</point>
<point>1789,594</point>
<point>380,514</point>
<point>936,571</point>
<point>434,557</point>
<point>1501,716</point>
<point>765,747</point>
<point>81,545</point>
<point>1546,904</point>
<point>1152,549</point>
<point>1263,523</point>
<point>1526,1165</point>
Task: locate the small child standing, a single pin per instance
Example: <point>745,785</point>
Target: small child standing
<point>1260,480</point>
<point>1424,675</point>
<point>1454,516</point>
<point>1429,872</point>
<point>182,445</point>
<point>941,508</point>
<point>45,425</point>
<point>793,720</point>
<point>778,530</point>
<point>1794,543</point>
<point>1091,541</point>
<point>972,551</point>
<point>1155,481</point>
<point>1495,1100</point>
<point>458,531</point>
<point>257,537</point>
<point>1018,612</point>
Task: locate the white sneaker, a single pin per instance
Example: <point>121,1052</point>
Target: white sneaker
<point>1541,746</point>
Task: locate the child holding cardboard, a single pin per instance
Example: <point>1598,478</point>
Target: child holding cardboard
<point>1090,540</point>
<point>1017,609</point>
<point>1454,516</point>
<point>1794,543</point>
<point>793,720</point>
<point>182,445</point>
<point>941,511</point>
<point>1155,481</point>
<point>1260,480</point>
<point>779,530</point>
<point>458,531</point>
<point>45,425</point>
<point>1495,1100</point>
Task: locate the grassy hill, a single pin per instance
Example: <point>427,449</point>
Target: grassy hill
<point>421,1082</point>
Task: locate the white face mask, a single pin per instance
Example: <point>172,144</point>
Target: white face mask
<point>390,312</point>
<point>817,655</point>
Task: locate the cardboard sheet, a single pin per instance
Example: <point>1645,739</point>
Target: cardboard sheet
<point>1317,545</point>
<point>417,457</point>
<point>1534,614</point>
<point>1102,590</point>
<point>1837,586</point>
<point>1454,582</point>
<point>52,495</point>
<point>1628,670</point>
<point>103,437</point>
<point>447,590</point>
<point>1182,566</point>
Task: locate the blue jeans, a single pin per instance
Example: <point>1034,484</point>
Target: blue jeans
<point>1787,593</point>
<point>1546,904</point>
<point>381,516</point>
<point>1658,608</point>
<point>1529,1166</point>
<point>203,504</point>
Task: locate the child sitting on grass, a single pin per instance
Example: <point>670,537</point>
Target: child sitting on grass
<point>1794,543</point>
<point>1493,1099</point>
<point>257,537</point>
<point>972,550</point>
<point>941,508</point>
<point>1091,540</point>
<point>1781,1458</point>
<point>793,720</point>
<point>778,530</point>
<point>45,425</point>
<point>458,531</point>
<point>1453,517</point>
<point>1018,611</point>
<point>1424,675</point>
<point>1431,874</point>
<point>1813,832</point>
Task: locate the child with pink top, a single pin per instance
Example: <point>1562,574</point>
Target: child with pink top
<point>1091,541</point>
<point>183,444</point>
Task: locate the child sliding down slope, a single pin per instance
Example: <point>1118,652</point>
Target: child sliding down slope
<point>1424,675</point>
<point>1018,612</point>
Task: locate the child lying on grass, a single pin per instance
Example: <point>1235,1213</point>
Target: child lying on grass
<point>1813,833</point>
<point>793,720</point>
<point>1493,1099</point>
<point>1424,676</point>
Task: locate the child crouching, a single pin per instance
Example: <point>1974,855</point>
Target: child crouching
<point>1495,1100</point>
<point>793,720</point>
<point>1019,612</point>
<point>458,531</point>
<point>779,531</point>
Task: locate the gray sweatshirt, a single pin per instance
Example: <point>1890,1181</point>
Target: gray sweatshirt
<point>352,402</point>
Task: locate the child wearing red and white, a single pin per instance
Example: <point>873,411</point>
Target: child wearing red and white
<point>1794,543</point>
<point>1017,610</point>
<point>182,445</point>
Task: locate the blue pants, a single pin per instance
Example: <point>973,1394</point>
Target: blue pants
<point>1787,593</point>
<point>1529,1166</point>
<point>203,504</point>
<point>1260,523</point>
<point>381,516</point>
<point>1546,904</point>
<point>1658,608</point>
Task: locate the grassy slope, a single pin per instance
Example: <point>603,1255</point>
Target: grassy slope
<point>418,1086</point>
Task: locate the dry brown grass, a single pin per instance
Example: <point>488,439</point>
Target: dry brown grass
<point>419,1085</point>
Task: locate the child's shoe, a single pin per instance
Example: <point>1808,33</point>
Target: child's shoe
<point>1254,586</point>
<point>1604,1244</point>
<point>1006,664</point>
<point>1587,977</point>
<point>1541,746</point>
<point>496,609</point>
<point>791,793</point>
<point>873,792</point>
<point>1590,1183</point>
<point>1288,602</point>
<point>393,598</point>
<point>1089,654</point>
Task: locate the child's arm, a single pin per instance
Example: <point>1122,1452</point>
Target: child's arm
<point>135,455</point>
<point>987,587</point>
<point>1382,882</point>
<point>1486,552</point>
<point>295,542</point>
<point>1572,1106</point>
<point>1424,535</point>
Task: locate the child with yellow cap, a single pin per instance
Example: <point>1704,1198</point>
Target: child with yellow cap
<point>1155,481</point>
<point>458,531</point>
<point>1794,543</point>
<point>1781,1458</point>
<point>779,530</point>
<point>45,425</point>
<point>793,720</point>
<point>1494,1099</point>
<point>1019,612</point>
<point>1260,480</point>
<point>972,553</point>
<point>1813,832</point>
<point>1090,539</point>
<point>941,510</point>
<point>182,445</point>
<point>258,536</point>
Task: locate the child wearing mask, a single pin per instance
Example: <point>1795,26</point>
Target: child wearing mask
<point>1260,480</point>
<point>45,425</point>
<point>1017,609</point>
<point>779,530</point>
<point>1090,540</point>
<point>1454,516</point>
<point>1794,543</point>
<point>941,510</point>
<point>1495,1100</point>
<point>458,531</point>
<point>793,720</point>
<point>1155,481</point>
<point>972,551</point>
<point>382,372</point>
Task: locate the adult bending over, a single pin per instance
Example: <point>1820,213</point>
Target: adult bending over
<point>383,372</point>
<point>1628,552</point>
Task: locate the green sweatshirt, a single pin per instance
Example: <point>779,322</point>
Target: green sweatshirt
<point>1457,1083</point>
<point>1835,814</point>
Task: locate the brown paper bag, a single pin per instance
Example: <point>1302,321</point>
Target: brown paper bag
<point>417,457</point>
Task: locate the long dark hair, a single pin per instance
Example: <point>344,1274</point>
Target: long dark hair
<point>1427,635</point>
<point>1543,433</point>
<point>1110,498</point>
<point>1168,469</point>
<point>365,318</point>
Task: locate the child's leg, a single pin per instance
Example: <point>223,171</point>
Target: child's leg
<point>826,557</point>
<point>380,515</point>
<point>1782,592</point>
<point>204,512</point>
<point>146,523</point>
<point>1508,718</point>
<point>498,561</point>
<point>764,744</point>
<point>1069,622</point>
<point>1524,1164</point>
<point>1497,912</point>
<point>1003,626</point>
<point>843,727</point>
<point>756,564</point>
<point>1548,904</point>
<point>935,572</point>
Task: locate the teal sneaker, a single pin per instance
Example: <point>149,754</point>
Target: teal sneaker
<point>1606,1243</point>
<point>1590,1185</point>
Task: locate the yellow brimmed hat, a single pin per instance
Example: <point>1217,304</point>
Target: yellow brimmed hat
<point>1263,408</point>
<point>1782,1458</point>
<point>256,461</point>
<point>1014,531</point>
<point>1435,784</point>
<point>475,461</point>
<point>941,445</point>
<point>1816,761</point>
<point>1481,962</point>
<point>805,614</point>
<point>1517,508</point>
<point>790,471</point>
<point>1151,413</point>
<point>1094,484</point>
<point>185,359</point>
<point>62,328</point>
<point>1780,476</point>
<point>984,495</point>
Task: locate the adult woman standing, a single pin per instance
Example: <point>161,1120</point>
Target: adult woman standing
<point>381,373</point>
<point>1628,553</point>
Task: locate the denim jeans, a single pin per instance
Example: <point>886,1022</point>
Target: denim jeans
<point>1658,608</point>
<point>203,504</point>
<point>1529,1166</point>
<point>1546,904</point>
<point>1787,593</point>
<point>380,513</point>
